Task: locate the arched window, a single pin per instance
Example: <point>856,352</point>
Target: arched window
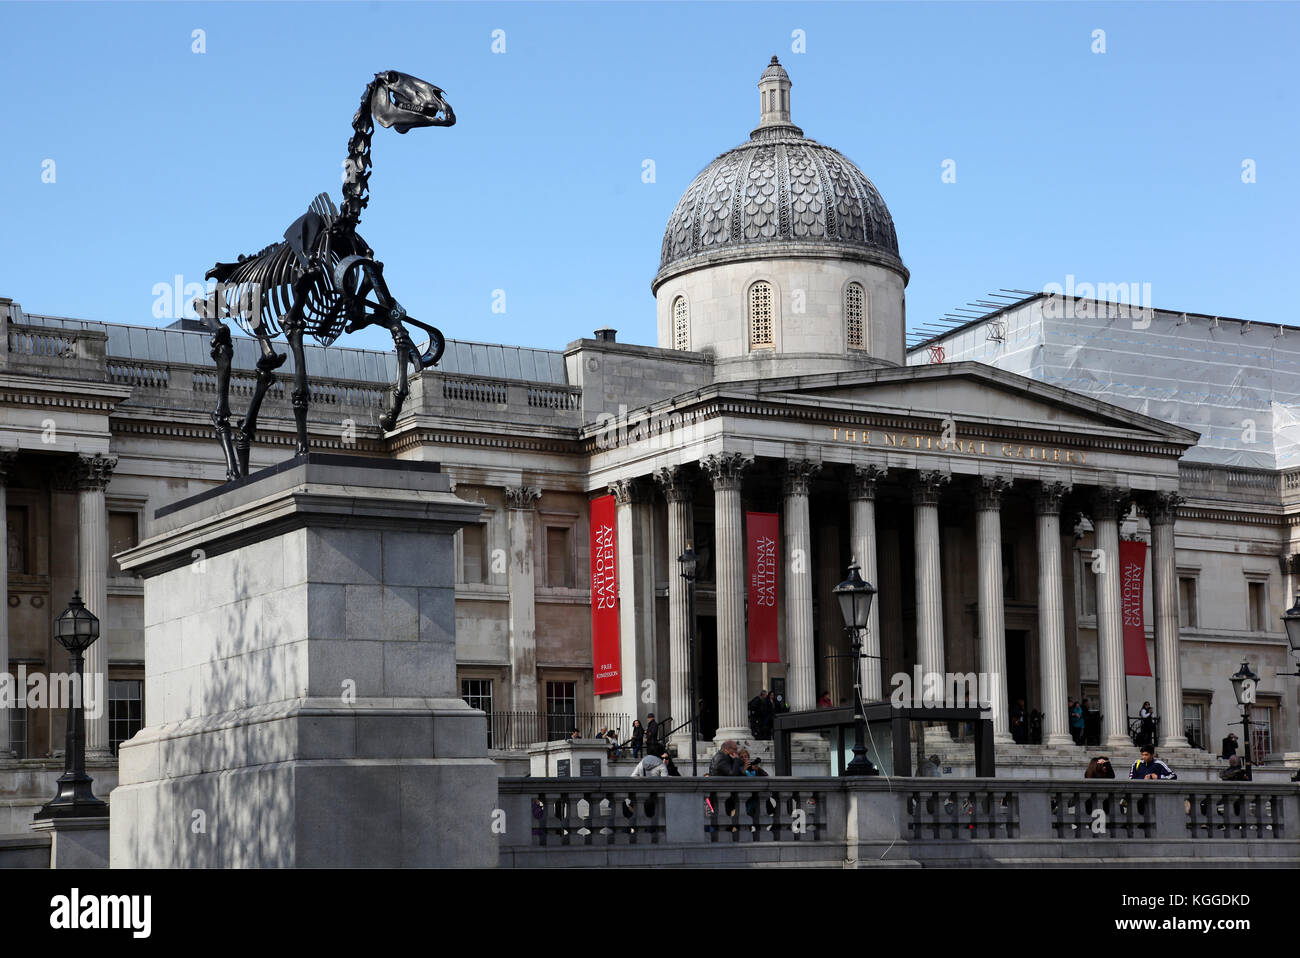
<point>681,324</point>
<point>855,316</point>
<point>760,316</point>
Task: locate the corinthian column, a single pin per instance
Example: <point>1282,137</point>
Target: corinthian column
<point>802,679</point>
<point>90,476</point>
<point>1107,505</point>
<point>1162,509</point>
<point>675,484</point>
<point>929,586</point>
<point>993,634</point>
<point>728,523</point>
<point>521,502</point>
<point>1051,614</point>
<point>636,627</point>
<point>862,540</point>
<point>7,459</point>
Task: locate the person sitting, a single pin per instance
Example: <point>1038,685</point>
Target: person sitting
<point>651,765</point>
<point>611,740</point>
<point>1229,748</point>
<point>929,768</point>
<point>1237,771</point>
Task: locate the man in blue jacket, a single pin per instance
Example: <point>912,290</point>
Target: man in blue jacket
<point>1150,766</point>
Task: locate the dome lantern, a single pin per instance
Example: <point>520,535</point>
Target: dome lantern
<point>774,97</point>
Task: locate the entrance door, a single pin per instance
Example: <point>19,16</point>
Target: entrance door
<point>1017,685</point>
<point>706,675</point>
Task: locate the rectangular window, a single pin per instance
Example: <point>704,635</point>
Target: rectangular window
<point>1010,581</point>
<point>1187,602</point>
<point>477,694</point>
<point>123,534</point>
<point>561,709</point>
<point>1194,724</point>
<point>559,558</point>
<point>1261,732</point>
<point>473,565</point>
<point>1257,602</point>
<point>125,710</point>
<point>18,729</point>
<point>1087,588</point>
<point>17,540</point>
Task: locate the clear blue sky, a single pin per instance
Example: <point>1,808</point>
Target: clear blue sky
<point>1117,167</point>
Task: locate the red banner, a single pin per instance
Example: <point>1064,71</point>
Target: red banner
<point>762,534</point>
<point>1132,572</point>
<point>604,597</point>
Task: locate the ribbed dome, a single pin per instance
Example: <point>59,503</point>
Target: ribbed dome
<point>779,187</point>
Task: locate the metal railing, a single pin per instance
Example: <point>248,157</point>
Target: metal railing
<point>518,730</point>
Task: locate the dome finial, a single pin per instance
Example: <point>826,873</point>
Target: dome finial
<point>774,96</point>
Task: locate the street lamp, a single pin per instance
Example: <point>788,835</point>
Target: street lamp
<point>76,629</point>
<point>855,595</point>
<point>688,562</point>
<point>1245,694</point>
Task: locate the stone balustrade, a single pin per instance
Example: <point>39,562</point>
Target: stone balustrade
<point>912,821</point>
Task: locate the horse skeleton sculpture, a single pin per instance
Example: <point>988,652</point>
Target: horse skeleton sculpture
<point>322,278</point>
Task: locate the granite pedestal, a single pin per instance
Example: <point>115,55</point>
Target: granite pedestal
<point>301,707</point>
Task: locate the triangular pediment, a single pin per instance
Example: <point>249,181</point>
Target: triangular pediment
<point>969,391</point>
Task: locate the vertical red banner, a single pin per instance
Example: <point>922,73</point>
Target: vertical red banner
<point>1132,573</point>
<point>604,597</point>
<point>762,533</point>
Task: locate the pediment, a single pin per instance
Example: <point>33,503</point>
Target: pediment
<point>972,392</point>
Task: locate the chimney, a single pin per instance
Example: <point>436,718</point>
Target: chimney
<point>606,335</point>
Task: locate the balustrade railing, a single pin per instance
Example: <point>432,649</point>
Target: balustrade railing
<point>518,730</point>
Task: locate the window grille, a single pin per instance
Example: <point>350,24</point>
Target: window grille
<point>760,316</point>
<point>853,316</point>
<point>681,324</point>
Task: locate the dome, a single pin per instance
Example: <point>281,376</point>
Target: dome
<point>779,193</point>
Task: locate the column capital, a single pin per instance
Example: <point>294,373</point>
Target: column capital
<point>522,497</point>
<point>927,485</point>
<point>84,472</point>
<point>629,491</point>
<point>1160,507</point>
<point>988,493</point>
<point>863,483</point>
<point>8,458</point>
<point>1109,502</point>
<point>726,469</point>
<point>798,473</point>
<point>1048,496</point>
<point>675,483</point>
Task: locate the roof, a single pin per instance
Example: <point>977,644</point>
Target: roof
<point>156,345</point>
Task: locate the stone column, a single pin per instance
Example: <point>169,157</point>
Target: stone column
<point>7,459</point>
<point>929,586</point>
<point>521,502</point>
<point>862,539</point>
<point>1107,506</point>
<point>90,476</point>
<point>1162,509</point>
<point>992,617</point>
<point>1051,614</point>
<point>636,630</point>
<point>725,471</point>
<point>802,679</point>
<point>675,484</point>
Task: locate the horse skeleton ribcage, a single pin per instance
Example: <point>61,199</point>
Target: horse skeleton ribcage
<point>258,290</point>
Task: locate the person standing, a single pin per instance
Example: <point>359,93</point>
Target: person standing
<point>638,738</point>
<point>1147,733</point>
<point>1229,745</point>
<point>1076,722</point>
<point>652,743</point>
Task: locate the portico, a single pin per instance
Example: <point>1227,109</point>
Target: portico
<point>982,509</point>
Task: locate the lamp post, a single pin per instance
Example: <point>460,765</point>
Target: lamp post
<point>688,561</point>
<point>76,629</point>
<point>1291,619</point>
<point>1244,683</point>
<point>855,595</point>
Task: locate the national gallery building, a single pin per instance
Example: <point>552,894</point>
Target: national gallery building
<point>984,482</point>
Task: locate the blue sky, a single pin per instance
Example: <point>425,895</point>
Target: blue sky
<point>1124,166</point>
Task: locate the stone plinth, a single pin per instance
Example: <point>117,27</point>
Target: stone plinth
<point>301,706</point>
<point>76,842</point>
<point>545,759</point>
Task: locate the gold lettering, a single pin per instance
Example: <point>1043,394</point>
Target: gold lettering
<point>1006,450</point>
<point>1056,455</point>
<point>835,433</point>
<point>1083,460</point>
<point>891,439</point>
<point>982,450</point>
<point>850,435</point>
<point>866,436</point>
<point>1069,455</point>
